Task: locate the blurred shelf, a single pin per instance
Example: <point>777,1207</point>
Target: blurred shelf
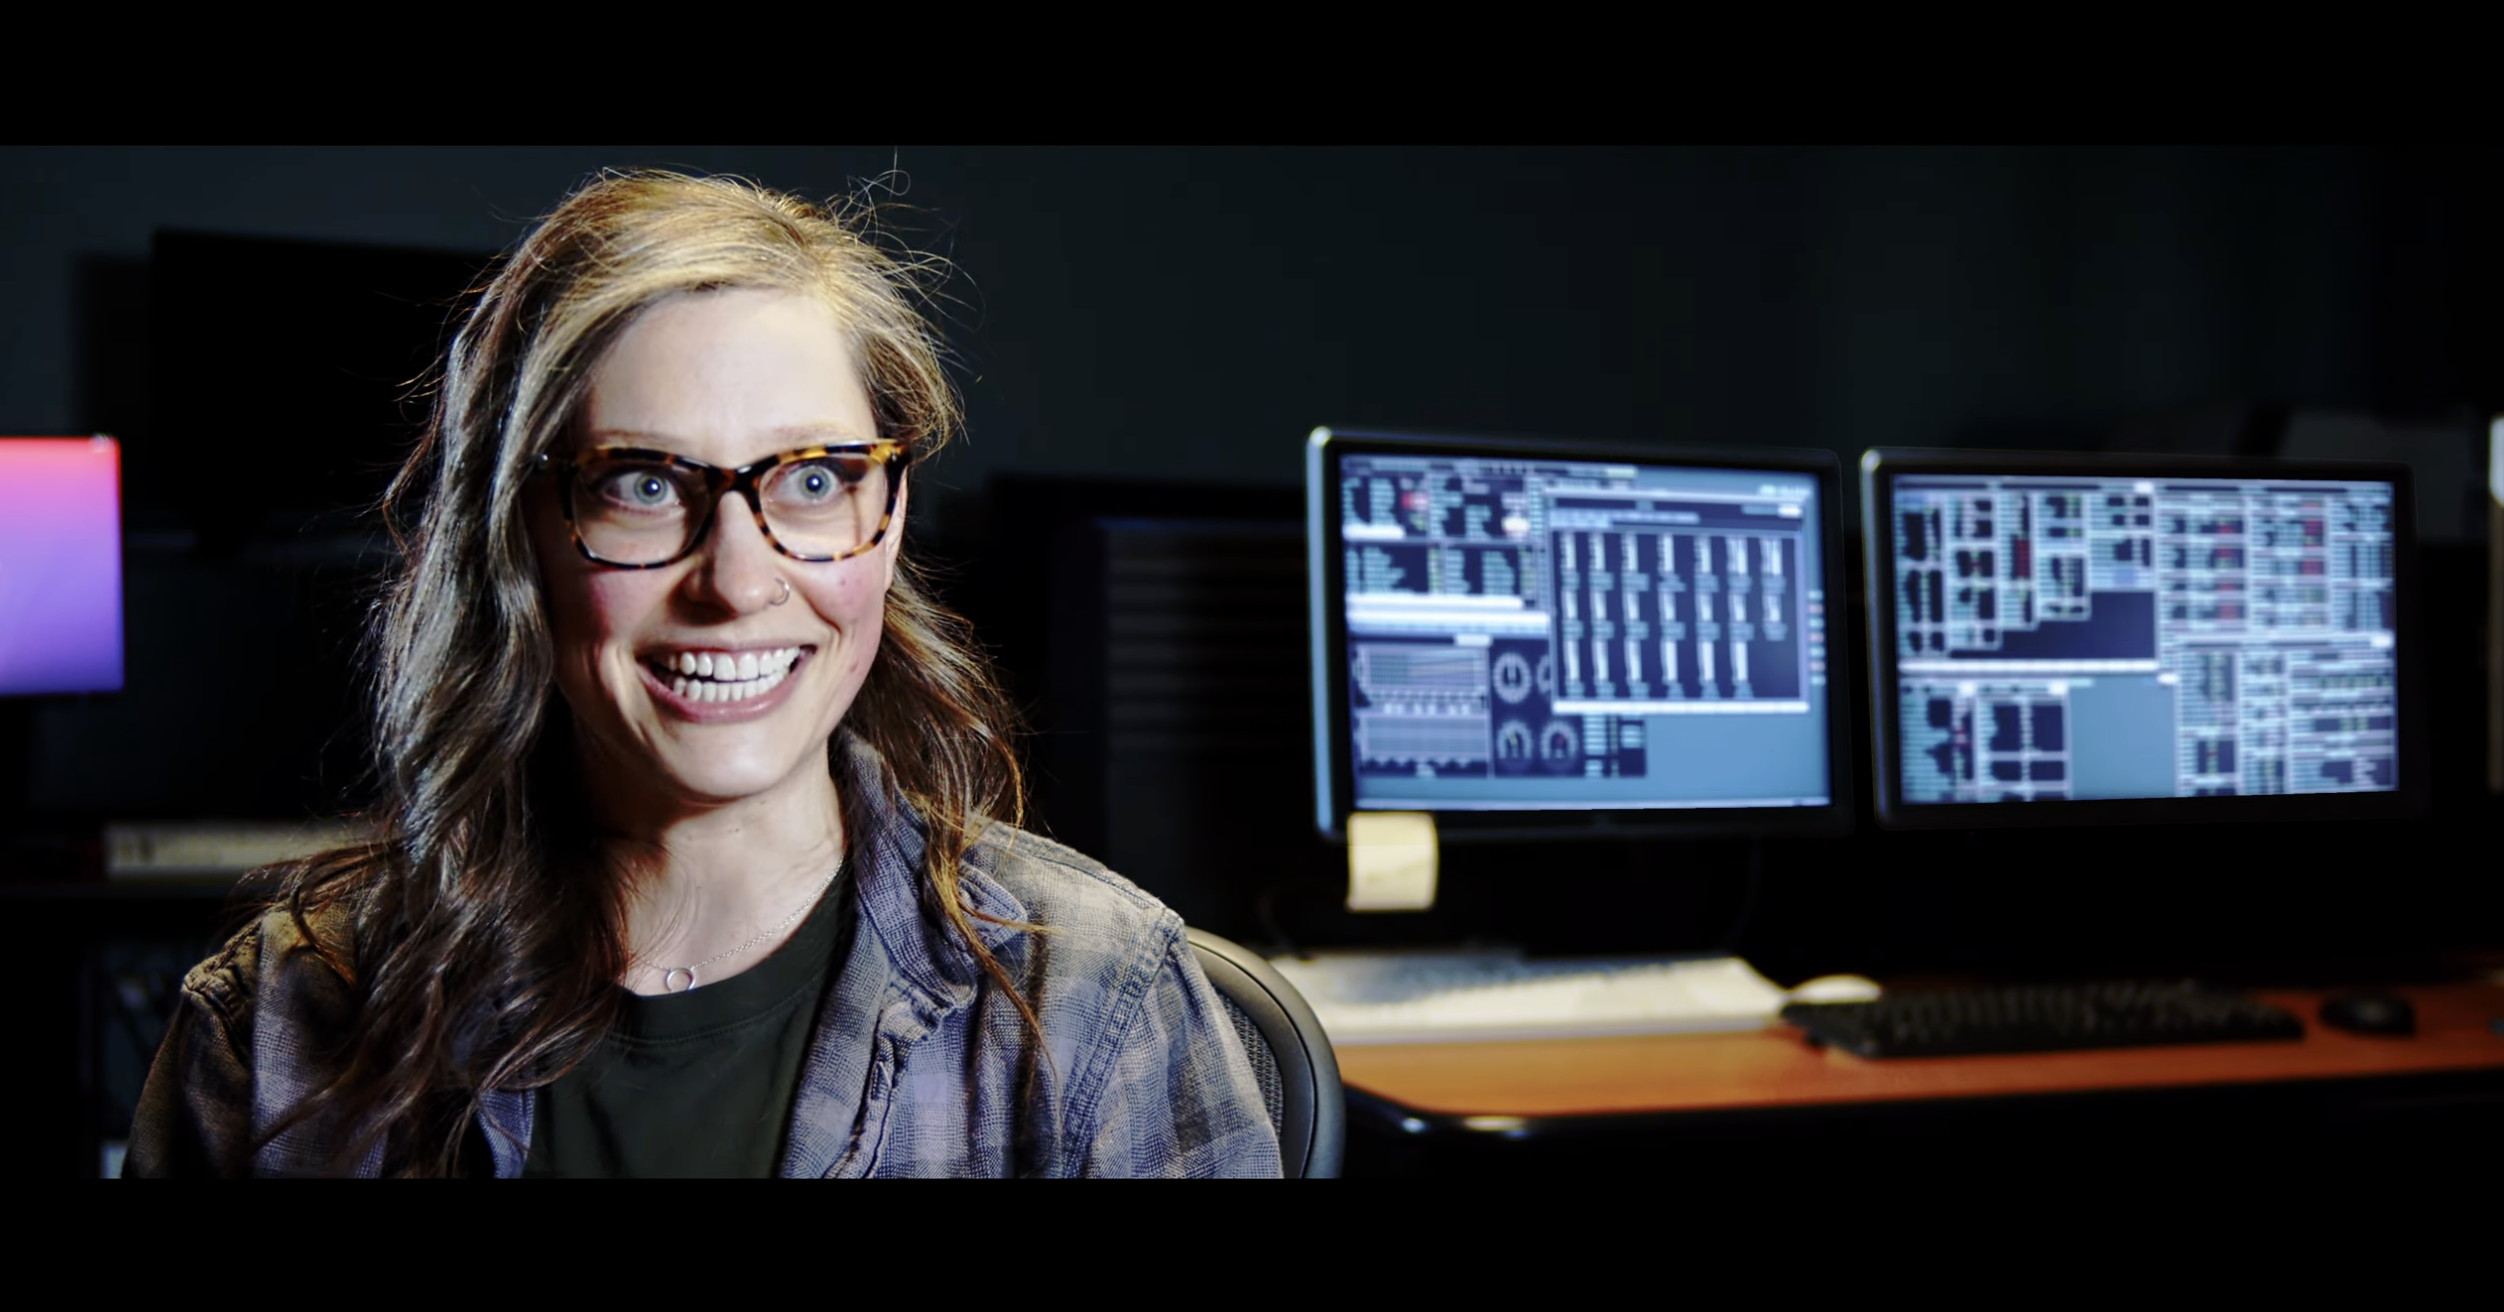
<point>121,890</point>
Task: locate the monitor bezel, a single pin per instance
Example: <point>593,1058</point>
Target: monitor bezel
<point>1879,468</point>
<point>1334,781</point>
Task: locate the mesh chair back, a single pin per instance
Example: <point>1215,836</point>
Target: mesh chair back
<point>1291,1057</point>
<point>1264,1063</point>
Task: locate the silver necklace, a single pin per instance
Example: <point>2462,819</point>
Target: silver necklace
<point>671,976</point>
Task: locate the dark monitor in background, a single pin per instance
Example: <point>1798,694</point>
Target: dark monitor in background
<point>285,389</point>
<point>1529,638</point>
<point>60,566</point>
<point>1153,633</point>
<point>302,368</point>
<point>2077,639</point>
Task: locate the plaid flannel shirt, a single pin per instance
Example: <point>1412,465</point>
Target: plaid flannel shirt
<point>919,1066</point>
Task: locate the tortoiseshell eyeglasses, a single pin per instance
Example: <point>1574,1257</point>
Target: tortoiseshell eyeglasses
<point>640,509</point>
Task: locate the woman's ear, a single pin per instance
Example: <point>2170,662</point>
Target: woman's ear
<point>892,548</point>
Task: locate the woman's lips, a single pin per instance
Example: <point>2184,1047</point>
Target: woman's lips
<point>740,686</point>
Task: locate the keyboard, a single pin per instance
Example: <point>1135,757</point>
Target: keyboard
<point>1457,997</point>
<point>2043,1018</point>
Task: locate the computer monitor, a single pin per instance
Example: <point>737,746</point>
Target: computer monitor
<point>1528,638</point>
<point>2140,638</point>
<point>60,565</point>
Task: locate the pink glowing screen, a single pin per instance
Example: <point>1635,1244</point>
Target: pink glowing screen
<point>60,565</point>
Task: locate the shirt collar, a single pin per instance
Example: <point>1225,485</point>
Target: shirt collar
<point>887,843</point>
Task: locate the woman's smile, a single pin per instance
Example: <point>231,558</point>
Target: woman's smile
<point>711,685</point>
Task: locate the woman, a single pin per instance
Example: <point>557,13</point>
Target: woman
<point>698,850</point>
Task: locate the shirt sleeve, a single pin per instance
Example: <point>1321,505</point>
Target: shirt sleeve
<point>1181,1101</point>
<point>195,1111</point>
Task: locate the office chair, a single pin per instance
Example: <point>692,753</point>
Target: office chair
<point>1290,1055</point>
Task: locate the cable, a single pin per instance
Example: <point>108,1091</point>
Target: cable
<point>1266,909</point>
<point>1748,898</point>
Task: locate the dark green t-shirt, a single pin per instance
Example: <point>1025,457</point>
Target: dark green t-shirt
<point>697,1083</point>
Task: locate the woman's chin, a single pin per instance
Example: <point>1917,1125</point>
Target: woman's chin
<point>704,766</point>
<point>716,782</point>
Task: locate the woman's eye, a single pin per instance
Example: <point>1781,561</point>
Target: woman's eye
<point>641,489</point>
<point>814,483</point>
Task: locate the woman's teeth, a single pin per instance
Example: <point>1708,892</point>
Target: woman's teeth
<point>724,677</point>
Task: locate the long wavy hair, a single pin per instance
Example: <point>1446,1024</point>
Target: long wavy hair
<point>488,935</point>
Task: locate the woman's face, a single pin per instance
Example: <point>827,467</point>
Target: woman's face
<point>726,378</point>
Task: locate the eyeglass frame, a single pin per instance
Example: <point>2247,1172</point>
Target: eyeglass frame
<point>719,482</point>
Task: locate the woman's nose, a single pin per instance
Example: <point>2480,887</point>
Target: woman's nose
<point>736,568</point>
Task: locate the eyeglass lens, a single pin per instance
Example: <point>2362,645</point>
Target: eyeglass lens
<point>637,511</point>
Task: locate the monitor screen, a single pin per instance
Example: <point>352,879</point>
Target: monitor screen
<point>2128,630</point>
<point>1521,635</point>
<point>60,565</point>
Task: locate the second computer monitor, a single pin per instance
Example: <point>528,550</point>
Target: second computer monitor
<point>2068,639</point>
<point>1527,637</point>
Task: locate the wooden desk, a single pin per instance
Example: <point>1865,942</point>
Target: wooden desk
<point>1771,1081</point>
<point>1688,1072</point>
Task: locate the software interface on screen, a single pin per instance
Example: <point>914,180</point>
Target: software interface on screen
<point>1552,635</point>
<point>60,565</point>
<point>2067,637</point>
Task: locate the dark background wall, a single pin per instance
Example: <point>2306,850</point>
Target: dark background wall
<point>1190,313</point>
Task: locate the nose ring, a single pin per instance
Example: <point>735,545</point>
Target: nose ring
<point>785,594</point>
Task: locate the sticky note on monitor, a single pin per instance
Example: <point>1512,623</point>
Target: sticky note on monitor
<point>1391,861</point>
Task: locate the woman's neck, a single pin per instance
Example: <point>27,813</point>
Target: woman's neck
<point>722,884</point>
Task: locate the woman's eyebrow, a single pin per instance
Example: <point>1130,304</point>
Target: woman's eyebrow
<point>789,437</point>
<point>800,435</point>
<point>628,437</point>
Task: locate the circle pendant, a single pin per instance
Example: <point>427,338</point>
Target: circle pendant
<point>670,978</point>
